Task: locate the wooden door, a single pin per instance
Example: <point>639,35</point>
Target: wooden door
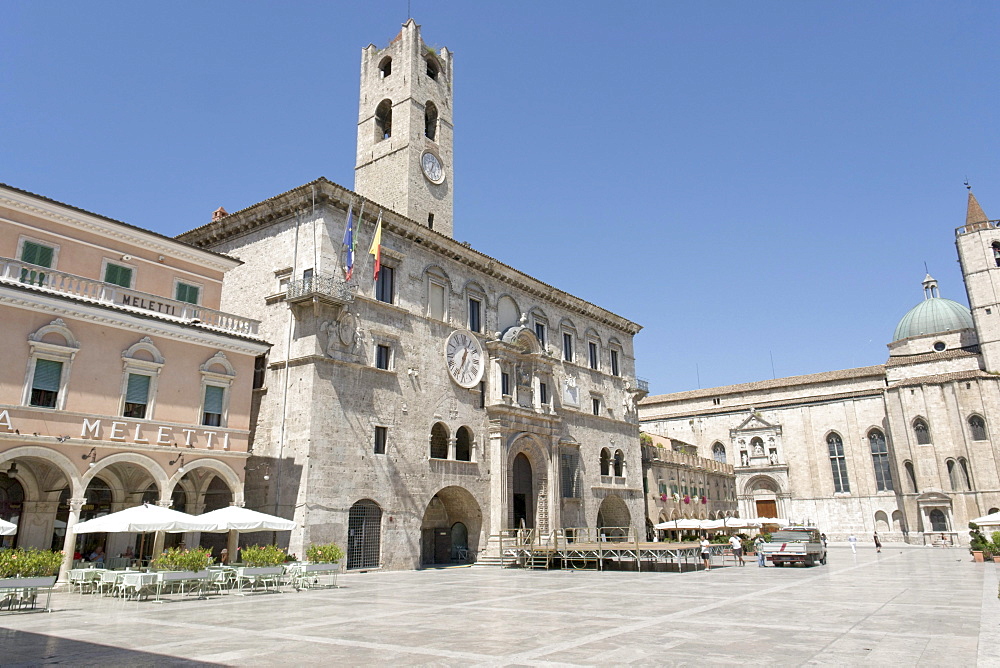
<point>767,508</point>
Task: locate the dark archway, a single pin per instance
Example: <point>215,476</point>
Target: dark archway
<point>938,520</point>
<point>364,535</point>
<point>522,502</point>
<point>613,518</point>
<point>439,441</point>
<point>463,444</point>
<point>450,528</point>
<point>11,506</point>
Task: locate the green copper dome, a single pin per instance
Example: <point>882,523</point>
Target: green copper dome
<point>933,315</point>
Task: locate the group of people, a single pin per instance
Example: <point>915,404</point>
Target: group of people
<point>853,541</point>
<point>736,543</point>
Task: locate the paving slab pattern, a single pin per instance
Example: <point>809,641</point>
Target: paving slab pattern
<point>906,606</point>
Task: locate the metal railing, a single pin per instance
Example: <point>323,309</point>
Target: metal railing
<point>325,285</point>
<point>59,282</point>
<point>642,384</point>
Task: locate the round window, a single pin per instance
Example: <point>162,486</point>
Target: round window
<point>939,346</point>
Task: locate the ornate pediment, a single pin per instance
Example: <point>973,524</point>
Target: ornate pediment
<point>755,422</point>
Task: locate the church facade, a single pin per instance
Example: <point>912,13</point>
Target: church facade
<point>909,448</point>
<point>414,414</point>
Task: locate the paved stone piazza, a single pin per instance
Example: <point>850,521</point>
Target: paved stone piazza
<point>906,606</point>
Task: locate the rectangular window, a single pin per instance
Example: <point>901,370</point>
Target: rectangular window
<point>615,371</point>
<point>214,396</point>
<point>384,284</point>
<point>505,383</point>
<point>136,395</point>
<point>381,435</point>
<point>592,349</point>
<point>543,394</point>
<point>118,275</point>
<point>259,371</point>
<point>35,253</point>
<point>45,384</point>
<point>437,302</point>
<point>382,353</point>
<point>475,315</point>
<point>570,470</point>
<point>186,293</point>
<point>540,332</point>
<point>567,346</point>
<point>596,405</point>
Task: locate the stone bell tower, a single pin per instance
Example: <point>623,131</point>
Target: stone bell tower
<point>978,244</point>
<point>405,130</point>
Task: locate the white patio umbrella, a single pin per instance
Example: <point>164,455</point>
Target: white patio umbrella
<point>679,524</point>
<point>244,520</point>
<point>7,528</point>
<point>988,520</point>
<point>143,519</point>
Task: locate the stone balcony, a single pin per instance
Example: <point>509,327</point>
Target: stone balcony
<point>51,281</point>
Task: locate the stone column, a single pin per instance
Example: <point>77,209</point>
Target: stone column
<point>69,542</point>
<point>498,488</point>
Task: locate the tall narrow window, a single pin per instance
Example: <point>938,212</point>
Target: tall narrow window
<point>615,371</point>
<point>475,315</point>
<point>719,452</point>
<point>838,463</point>
<point>605,461</point>
<point>540,332</point>
<point>436,297</point>
<point>463,444</point>
<point>996,253</point>
<point>259,371</point>
<point>385,67</point>
<point>619,463</point>
<point>439,441</point>
<point>383,120</point>
<point>567,346</point>
<point>966,477</point>
<point>543,394</point>
<point>136,395</point>
<point>911,476</point>
<point>116,274</point>
<point>45,384</point>
<point>430,120</point>
<point>595,404</point>
<point>592,351</point>
<point>214,401</point>
<point>978,428</point>
<point>504,383</point>
<point>432,67</point>
<point>921,431</point>
<point>880,460</point>
<point>384,284</point>
<point>952,474</point>
<point>570,475</point>
<point>381,436</point>
<point>186,293</point>
<point>382,354</point>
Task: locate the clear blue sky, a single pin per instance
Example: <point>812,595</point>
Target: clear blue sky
<point>744,179</point>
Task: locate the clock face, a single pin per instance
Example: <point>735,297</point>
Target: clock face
<point>464,357</point>
<point>432,167</point>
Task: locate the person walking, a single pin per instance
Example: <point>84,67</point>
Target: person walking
<point>706,553</point>
<point>853,540</point>
<point>878,543</point>
<point>737,545</point>
<point>758,545</point>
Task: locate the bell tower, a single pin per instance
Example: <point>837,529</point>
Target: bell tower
<point>405,130</point>
<point>978,244</point>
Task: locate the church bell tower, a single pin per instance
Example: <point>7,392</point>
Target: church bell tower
<point>405,130</point>
<point>978,244</point>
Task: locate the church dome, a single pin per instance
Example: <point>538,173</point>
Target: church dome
<point>934,315</point>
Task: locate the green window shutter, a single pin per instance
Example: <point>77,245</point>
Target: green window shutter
<point>213,399</point>
<point>37,254</point>
<point>48,374</point>
<point>138,389</point>
<point>187,293</point>
<point>118,275</point>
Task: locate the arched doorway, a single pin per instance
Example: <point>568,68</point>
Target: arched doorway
<point>450,527</point>
<point>522,499</point>
<point>763,492</point>
<point>613,518</point>
<point>11,506</point>
<point>364,535</point>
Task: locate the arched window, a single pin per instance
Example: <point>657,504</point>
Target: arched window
<point>619,463</point>
<point>838,463</point>
<point>996,252</point>
<point>432,67</point>
<point>439,441</point>
<point>383,120</point>
<point>385,67</point>
<point>921,431</point>
<point>430,120</point>
<point>978,428</point>
<point>965,478</point>
<point>938,521</point>
<point>952,474</point>
<point>880,460</point>
<point>911,476</point>
<point>463,444</point>
<point>605,461</point>
<point>719,452</point>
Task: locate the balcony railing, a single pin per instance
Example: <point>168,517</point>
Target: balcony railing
<point>59,282</point>
<point>642,384</point>
<point>323,286</point>
<point>972,227</point>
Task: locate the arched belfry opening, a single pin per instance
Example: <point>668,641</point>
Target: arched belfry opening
<point>430,120</point>
<point>383,120</point>
<point>385,67</point>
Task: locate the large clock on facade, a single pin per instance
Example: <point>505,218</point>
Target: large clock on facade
<point>465,359</point>
<point>431,165</point>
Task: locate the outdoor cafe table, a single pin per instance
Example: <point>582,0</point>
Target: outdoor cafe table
<point>85,578</point>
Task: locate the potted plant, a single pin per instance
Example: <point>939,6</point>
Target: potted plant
<point>978,544</point>
<point>995,547</point>
<point>188,564</point>
<point>323,557</point>
<point>262,560</point>
<point>29,567</point>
